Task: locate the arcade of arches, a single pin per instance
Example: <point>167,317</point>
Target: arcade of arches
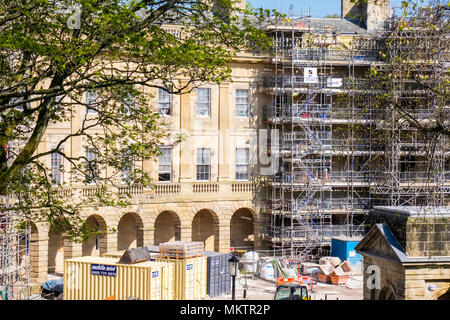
<point>217,229</point>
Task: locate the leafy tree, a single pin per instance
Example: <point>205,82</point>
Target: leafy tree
<point>93,63</point>
<point>334,15</point>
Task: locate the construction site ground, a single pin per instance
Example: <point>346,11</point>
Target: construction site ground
<point>260,289</point>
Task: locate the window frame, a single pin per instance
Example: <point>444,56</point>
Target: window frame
<point>89,102</point>
<point>169,102</point>
<point>201,166</point>
<point>244,163</point>
<point>95,174</point>
<point>60,173</point>
<point>239,105</point>
<point>203,103</point>
<point>170,171</point>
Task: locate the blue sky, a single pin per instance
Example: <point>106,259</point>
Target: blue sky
<point>319,8</point>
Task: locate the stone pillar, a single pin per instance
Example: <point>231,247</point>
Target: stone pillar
<point>39,259</point>
<point>186,231</point>
<point>186,152</point>
<point>149,236</point>
<point>72,249</point>
<point>224,237</point>
<point>111,242</point>
<point>224,125</point>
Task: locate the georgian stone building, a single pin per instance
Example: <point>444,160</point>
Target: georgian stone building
<point>207,186</point>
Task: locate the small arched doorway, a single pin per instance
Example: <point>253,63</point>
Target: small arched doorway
<point>96,244</point>
<point>130,232</point>
<point>55,252</point>
<point>205,228</point>
<point>242,233</point>
<point>167,227</point>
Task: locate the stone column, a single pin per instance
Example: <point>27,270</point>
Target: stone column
<point>149,236</point>
<point>72,249</point>
<point>39,259</point>
<point>224,237</point>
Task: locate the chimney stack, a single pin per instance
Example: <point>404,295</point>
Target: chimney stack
<point>369,14</point>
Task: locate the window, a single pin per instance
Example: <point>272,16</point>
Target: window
<point>203,102</point>
<point>127,103</point>
<point>165,165</point>
<point>56,163</point>
<point>164,102</point>
<point>91,101</point>
<point>203,163</point>
<point>91,166</point>
<point>127,165</point>
<point>242,163</point>
<point>242,103</point>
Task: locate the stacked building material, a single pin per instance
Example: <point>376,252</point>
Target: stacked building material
<point>181,250</point>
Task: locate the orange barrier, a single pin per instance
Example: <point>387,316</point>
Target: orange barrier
<point>284,280</point>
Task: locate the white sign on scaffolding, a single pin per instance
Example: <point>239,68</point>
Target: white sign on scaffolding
<point>334,82</point>
<point>310,75</point>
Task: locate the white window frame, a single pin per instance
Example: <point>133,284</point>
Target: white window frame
<point>202,106</point>
<point>242,103</point>
<point>165,164</point>
<point>126,104</point>
<point>203,164</point>
<point>164,102</point>
<point>91,100</point>
<point>96,171</point>
<point>56,162</point>
<point>242,162</point>
<point>126,172</point>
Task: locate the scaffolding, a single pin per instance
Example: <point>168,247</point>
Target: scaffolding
<point>415,170</point>
<point>14,256</point>
<point>340,157</point>
<point>300,195</point>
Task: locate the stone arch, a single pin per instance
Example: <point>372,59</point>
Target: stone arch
<point>242,229</point>
<point>55,264</point>
<point>167,227</point>
<point>387,293</point>
<point>444,295</point>
<point>96,245</point>
<point>130,231</point>
<point>205,228</point>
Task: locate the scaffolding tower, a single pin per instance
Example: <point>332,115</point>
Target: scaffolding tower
<point>302,91</point>
<point>382,160</point>
<point>14,256</point>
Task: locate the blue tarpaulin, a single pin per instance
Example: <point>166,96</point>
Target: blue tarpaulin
<point>54,285</point>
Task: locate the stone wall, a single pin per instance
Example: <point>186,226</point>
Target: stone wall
<point>418,280</point>
<point>428,237</point>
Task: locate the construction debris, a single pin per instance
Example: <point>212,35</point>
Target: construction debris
<point>338,274</point>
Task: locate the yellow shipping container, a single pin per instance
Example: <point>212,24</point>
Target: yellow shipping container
<point>190,277</point>
<point>96,278</point>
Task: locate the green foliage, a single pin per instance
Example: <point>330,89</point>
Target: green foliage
<point>120,50</point>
